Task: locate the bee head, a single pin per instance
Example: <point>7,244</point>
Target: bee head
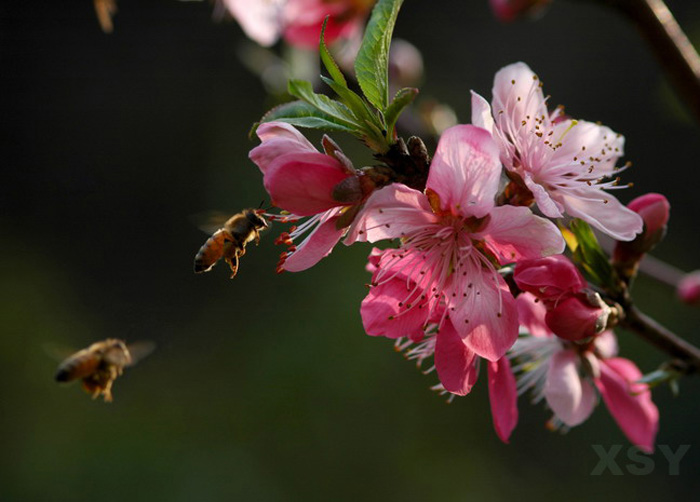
<point>257,220</point>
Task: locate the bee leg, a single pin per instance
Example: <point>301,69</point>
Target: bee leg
<point>107,392</point>
<point>257,236</point>
<point>233,263</point>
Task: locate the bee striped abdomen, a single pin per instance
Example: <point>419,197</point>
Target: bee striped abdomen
<point>211,251</point>
<point>77,366</point>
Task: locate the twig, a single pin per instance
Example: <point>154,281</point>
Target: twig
<point>687,355</point>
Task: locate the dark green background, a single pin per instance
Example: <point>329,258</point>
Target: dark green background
<point>266,388</point>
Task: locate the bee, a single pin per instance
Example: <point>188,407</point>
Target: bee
<point>100,364</point>
<point>230,241</point>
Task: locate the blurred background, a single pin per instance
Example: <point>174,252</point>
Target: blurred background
<point>265,387</point>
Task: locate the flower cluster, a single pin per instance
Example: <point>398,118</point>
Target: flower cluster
<point>472,266</point>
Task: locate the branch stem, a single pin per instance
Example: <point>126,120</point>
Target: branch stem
<point>687,355</point>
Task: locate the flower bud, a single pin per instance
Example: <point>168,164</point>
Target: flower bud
<point>575,318</point>
<point>549,278</point>
<point>654,210</point>
<point>303,183</point>
<point>689,288</point>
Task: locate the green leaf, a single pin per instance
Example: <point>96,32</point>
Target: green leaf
<point>358,106</point>
<point>372,62</point>
<point>402,99</point>
<point>328,61</point>
<point>301,114</point>
<point>304,91</point>
<point>591,256</point>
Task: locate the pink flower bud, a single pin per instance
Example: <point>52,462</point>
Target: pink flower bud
<point>689,288</point>
<point>549,278</point>
<point>509,10</point>
<point>654,210</point>
<point>303,183</point>
<point>575,318</point>
<point>298,177</point>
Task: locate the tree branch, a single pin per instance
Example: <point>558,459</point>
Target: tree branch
<point>687,355</point>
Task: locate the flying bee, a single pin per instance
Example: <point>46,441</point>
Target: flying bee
<point>229,241</point>
<point>101,363</point>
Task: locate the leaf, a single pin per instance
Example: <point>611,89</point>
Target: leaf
<point>591,256</point>
<point>328,61</point>
<point>402,99</point>
<point>302,114</point>
<point>372,62</point>
<point>303,90</point>
<point>358,106</point>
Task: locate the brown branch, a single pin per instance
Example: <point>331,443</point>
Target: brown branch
<point>687,355</point>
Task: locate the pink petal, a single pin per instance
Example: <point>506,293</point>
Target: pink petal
<point>484,313</point>
<point>654,210</point>
<point>317,245</point>
<point>549,278</point>
<point>503,395</point>
<point>260,20</point>
<point>278,139</point>
<point>604,212</point>
<point>454,362</point>
<point>574,318</point>
<point>384,310</point>
<point>481,113</point>
<point>304,18</point>
<point>570,398</point>
<point>302,183</point>
<point>584,140</point>
<point>531,313</point>
<point>606,344</point>
<point>546,204</point>
<point>466,171</point>
<point>391,212</point>
<point>630,404</point>
<point>517,94</point>
<point>373,260</point>
<point>514,234</point>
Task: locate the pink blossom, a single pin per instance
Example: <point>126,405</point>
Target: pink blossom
<point>303,20</point>
<point>689,288</point>
<point>303,181</point>
<point>453,238</point>
<point>384,313</point>
<point>568,374</point>
<point>299,21</point>
<point>562,163</point>
<point>510,10</point>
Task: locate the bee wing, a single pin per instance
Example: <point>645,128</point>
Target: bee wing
<point>140,349</point>
<point>57,352</point>
<point>210,221</point>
